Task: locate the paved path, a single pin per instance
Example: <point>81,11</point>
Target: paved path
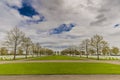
<point>44,61</point>
<point>61,77</point>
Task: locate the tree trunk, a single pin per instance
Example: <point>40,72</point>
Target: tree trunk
<point>32,53</point>
<point>80,55</point>
<point>86,51</point>
<point>97,53</point>
<point>15,48</point>
<point>37,54</point>
<point>40,53</point>
<point>26,53</point>
<point>87,55</point>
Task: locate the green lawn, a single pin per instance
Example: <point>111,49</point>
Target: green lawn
<point>59,68</point>
<point>57,58</point>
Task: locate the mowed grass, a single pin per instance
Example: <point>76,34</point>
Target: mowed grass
<point>57,58</point>
<point>58,68</point>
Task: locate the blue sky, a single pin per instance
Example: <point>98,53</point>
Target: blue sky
<point>58,24</point>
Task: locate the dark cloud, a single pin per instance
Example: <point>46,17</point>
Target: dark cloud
<point>102,10</point>
<point>116,25</point>
<point>107,12</point>
<point>99,20</point>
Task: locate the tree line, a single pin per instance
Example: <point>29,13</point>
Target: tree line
<point>96,45</point>
<point>17,43</point>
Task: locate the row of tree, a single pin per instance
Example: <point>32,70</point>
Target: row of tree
<point>18,43</point>
<point>93,46</point>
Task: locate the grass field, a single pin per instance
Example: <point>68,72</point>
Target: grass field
<point>57,58</point>
<point>59,68</point>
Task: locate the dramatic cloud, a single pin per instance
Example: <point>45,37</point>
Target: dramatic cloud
<point>49,21</point>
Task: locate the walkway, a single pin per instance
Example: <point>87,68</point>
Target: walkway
<point>45,61</point>
<point>61,77</point>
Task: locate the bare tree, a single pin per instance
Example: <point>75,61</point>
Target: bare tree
<point>71,50</point>
<point>14,39</point>
<point>81,49</point>
<point>105,48</point>
<point>85,44</point>
<point>26,45</point>
<point>38,47</point>
<point>33,49</point>
<point>97,43</point>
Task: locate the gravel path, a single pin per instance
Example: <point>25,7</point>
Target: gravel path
<point>61,77</point>
<point>44,61</point>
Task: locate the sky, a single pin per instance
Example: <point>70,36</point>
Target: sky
<point>58,24</point>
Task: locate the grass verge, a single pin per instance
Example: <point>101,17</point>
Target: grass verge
<point>58,68</point>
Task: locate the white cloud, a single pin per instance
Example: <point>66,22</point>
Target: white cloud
<point>91,16</point>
